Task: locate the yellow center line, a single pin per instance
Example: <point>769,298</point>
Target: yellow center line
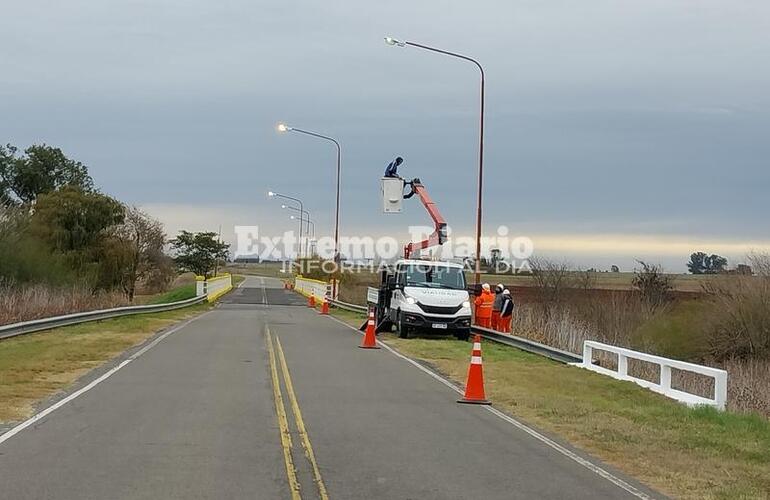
<point>301,423</point>
<point>283,424</point>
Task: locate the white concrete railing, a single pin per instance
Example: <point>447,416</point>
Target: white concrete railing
<point>214,287</point>
<point>316,288</point>
<point>665,364</point>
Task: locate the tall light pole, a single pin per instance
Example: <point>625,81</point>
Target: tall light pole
<point>273,194</point>
<point>393,41</point>
<point>309,229</point>
<point>282,127</point>
<point>306,218</point>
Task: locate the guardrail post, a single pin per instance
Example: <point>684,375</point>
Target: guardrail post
<point>665,377</point>
<point>587,354</point>
<point>622,365</point>
<point>720,390</point>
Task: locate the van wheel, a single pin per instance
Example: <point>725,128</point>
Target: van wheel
<point>403,330</point>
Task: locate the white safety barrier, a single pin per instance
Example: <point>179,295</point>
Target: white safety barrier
<point>316,288</point>
<point>665,364</point>
<point>215,287</point>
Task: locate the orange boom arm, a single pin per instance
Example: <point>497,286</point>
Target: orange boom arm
<point>439,236</point>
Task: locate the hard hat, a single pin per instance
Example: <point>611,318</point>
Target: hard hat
<point>485,286</point>
<point>500,287</point>
<point>506,292</point>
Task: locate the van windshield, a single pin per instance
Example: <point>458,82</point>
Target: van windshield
<point>432,276</point>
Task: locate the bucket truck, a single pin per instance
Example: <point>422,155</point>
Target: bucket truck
<point>419,294</point>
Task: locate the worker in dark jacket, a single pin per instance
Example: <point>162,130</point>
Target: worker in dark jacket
<point>496,305</point>
<point>506,312</point>
<point>392,168</point>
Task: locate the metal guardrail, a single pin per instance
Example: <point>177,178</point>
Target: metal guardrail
<point>501,338</point>
<point>349,307</point>
<point>528,345</point>
<point>36,325</point>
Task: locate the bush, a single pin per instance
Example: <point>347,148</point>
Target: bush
<point>739,319</point>
<point>654,285</point>
<point>26,302</point>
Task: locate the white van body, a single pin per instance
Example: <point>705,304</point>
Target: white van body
<point>430,295</point>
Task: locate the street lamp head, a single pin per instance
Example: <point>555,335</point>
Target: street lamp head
<point>292,217</point>
<point>282,127</point>
<point>392,41</point>
<point>270,194</point>
<point>284,206</point>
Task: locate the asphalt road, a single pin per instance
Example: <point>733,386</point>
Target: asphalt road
<point>263,398</point>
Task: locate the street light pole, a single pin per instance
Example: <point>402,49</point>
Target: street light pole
<point>273,194</point>
<point>285,128</point>
<point>393,41</point>
<point>306,215</point>
<point>309,229</point>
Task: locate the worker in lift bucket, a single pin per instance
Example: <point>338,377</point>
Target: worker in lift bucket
<point>484,306</point>
<point>497,306</point>
<point>392,168</point>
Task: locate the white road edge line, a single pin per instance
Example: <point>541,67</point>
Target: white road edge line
<point>31,420</point>
<point>519,425</point>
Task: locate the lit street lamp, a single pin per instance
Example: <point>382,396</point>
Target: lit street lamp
<point>273,194</point>
<point>399,43</point>
<point>282,127</point>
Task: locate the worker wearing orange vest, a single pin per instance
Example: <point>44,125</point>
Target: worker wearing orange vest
<point>484,306</point>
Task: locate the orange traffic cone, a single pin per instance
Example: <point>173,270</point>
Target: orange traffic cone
<point>311,301</point>
<point>325,306</point>
<point>474,386</point>
<point>370,339</point>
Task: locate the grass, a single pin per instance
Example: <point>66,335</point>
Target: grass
<point>607,281</point>
<point>35,366</point>
<point>174,295</point>
<point>682,452</point>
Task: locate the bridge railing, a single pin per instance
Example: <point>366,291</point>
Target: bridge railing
<point>317,288</point>
<point>213,287</point>
<point>665,365</point>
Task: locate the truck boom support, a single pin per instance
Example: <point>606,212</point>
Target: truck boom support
<point>439,235</point>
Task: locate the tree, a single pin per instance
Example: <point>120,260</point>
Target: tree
<point>43,169</point>
<point>715,264</point>
<point>702,263</point>
<point>198,252</point>
<point>654,286</point>
<point>141,239</point>
<point>73,220</point>
<point>697,264</point>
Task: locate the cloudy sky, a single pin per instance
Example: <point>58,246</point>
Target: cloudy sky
<point>615,129</point>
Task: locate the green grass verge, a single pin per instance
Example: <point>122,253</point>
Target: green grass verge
<point>35,366</point>
<point>180,293</point>
<point>683,452</point>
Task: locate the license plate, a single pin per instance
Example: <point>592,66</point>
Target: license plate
<point>441,326</point>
